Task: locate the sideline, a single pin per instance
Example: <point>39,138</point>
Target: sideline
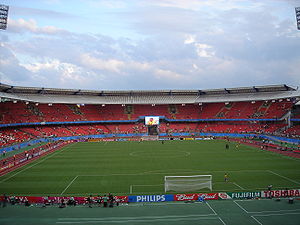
<point>42,160</point>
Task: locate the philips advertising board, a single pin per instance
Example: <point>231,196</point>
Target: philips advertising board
<point>151,198</point>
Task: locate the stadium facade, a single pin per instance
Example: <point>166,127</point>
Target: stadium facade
<point>32,113</point>
<point>78,96</point>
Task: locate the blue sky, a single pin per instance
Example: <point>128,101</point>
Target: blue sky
<point>157,44</point>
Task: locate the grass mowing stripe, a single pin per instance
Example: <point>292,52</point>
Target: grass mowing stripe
<point>99,167</point>
<point>40,161</point>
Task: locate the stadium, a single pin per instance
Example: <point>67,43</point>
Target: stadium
<point>149,112</point>
<point>151,146</point>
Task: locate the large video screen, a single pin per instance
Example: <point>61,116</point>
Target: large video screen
<point>151,120</point>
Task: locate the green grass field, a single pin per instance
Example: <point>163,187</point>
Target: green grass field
<point>126,168</point>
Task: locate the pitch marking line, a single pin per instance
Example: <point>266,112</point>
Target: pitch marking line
<point>221,220</point>
<point>238,186</point>
<point>141,193</point>
<point>136,220</point>
<point>139,219</point>
<point>211,208</point>
<point>170,154</point>
<point>266,211</point>
<point>281,214</point>
<point>142,185</point>
<point>42,160</point>
<point>69,185</point>
<point>270,171</point>
<point>215,213</point>
<point>241,207</point>
<point>256,220</point>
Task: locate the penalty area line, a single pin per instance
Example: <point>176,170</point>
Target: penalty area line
<point>142,185</point>
<point>270,171</point>
<point>69,185</point>
<point>238,186</point>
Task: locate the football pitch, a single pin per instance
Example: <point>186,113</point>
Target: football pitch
<point>134,168</point>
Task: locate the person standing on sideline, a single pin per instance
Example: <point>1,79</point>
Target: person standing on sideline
<point>226,177</point>
<point>4,201</point>
<point>105,200</point>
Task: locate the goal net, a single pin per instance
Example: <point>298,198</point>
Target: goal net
<point>188,183</point>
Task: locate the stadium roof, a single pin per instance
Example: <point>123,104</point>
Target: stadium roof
<point>78,96</point>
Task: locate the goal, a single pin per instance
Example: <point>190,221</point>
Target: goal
<point>188,183</point>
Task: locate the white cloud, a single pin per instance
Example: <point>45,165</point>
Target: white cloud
<point>195,5</point>
<point>21,25</point>
<point>204,50</point>
<point>189,39</point>
<point>112,65</point>
<point>116,4</point>
<point>167,75</point>
<point>181,48</point>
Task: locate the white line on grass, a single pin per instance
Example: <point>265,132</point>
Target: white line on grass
<point>263,212</point>
<point>241,207</point>
<point>222,220</point>
<point>153,172</point>
<point>42,160</point>
<point>283,177</point>
<point>139,217</point>
<point>136,220</point>
<point>238,186</point>
<point>69,185</point>
<point>256,220</point>
<point>211,208</point>
<point>144,193</point>
<point>279,211</point>
<point>143,185</point>
<point>165,204</point>
<point>195,171</point>
<point>281,214</point>
<point>215,213</point>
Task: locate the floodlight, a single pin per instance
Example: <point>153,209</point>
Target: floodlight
<point>3,16</point>
<point>297,10</point>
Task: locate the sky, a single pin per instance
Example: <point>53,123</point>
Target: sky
<point>150,44</point>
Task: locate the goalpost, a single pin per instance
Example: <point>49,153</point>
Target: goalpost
<point>188,183</point>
